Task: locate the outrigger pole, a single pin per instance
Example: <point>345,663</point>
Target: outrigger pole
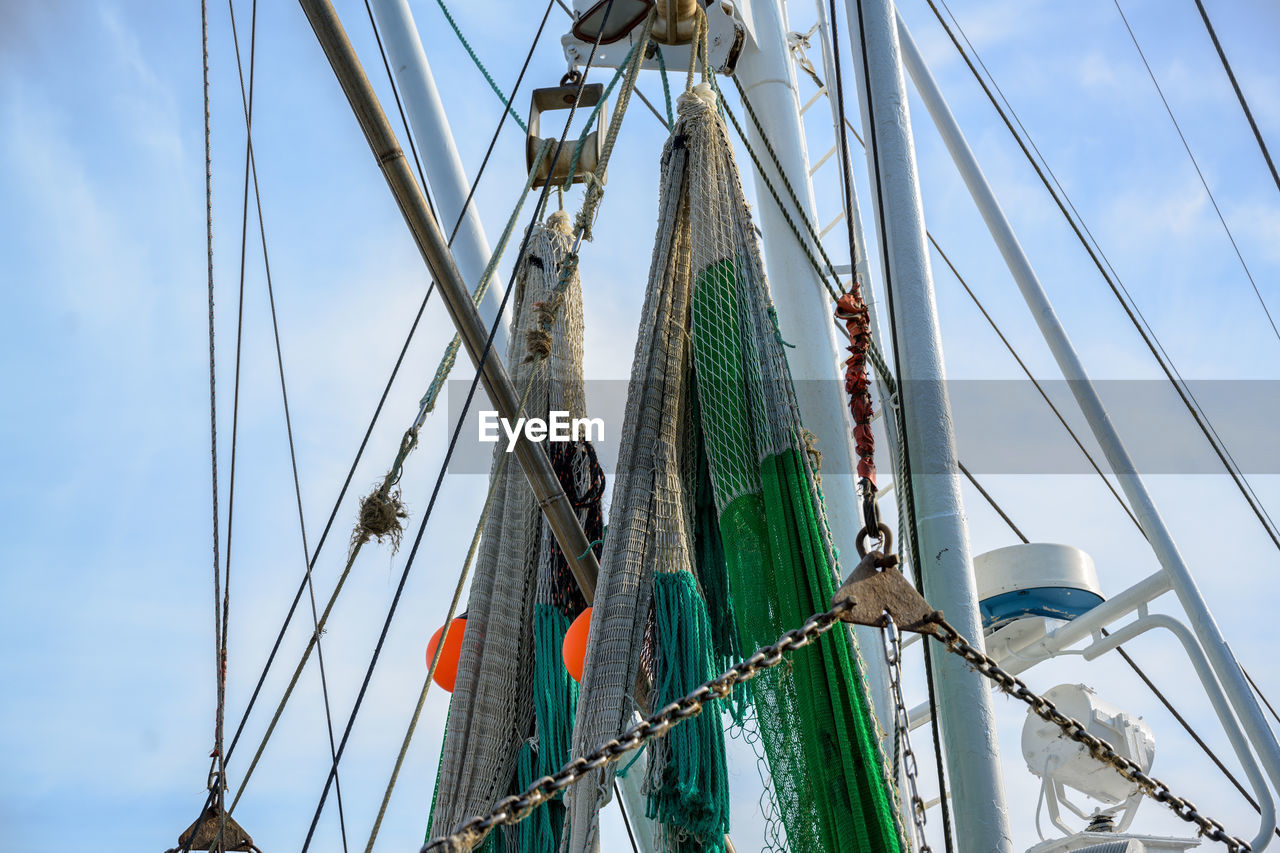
<point>435,251</point>
<point>439,153</point>
<point>1175,574</point>
<point>942,547</point>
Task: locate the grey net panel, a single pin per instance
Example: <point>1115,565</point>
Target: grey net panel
<point>491,712</point>
<point>647,518</point>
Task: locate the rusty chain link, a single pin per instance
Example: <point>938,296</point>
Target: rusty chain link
<point>902,726</point>
<point>515,808</point>
<point>1098,748</point>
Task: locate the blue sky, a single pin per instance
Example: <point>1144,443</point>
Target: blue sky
<point>106,582</point>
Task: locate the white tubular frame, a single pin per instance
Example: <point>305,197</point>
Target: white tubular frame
<point>439,153</point>
<point>968,720</point>
<point>1174,569</point>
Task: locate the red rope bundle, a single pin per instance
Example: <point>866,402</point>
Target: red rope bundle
<point>857,382</point>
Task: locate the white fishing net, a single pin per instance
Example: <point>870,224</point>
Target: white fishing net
<point>492,711</point>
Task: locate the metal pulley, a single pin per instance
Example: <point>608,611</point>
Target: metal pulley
<point>676,21</point>
<point>563,97</point>
<point>611,20</point>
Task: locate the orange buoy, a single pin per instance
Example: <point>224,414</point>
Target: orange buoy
<point>575,644</point>
<point>447,669</point>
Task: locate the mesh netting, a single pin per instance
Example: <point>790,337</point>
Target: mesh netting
<point>511,712</point>
<point>650,521</point>
<point>711,399</point>
<point>814,717</point>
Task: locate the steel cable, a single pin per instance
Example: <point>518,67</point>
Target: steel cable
<point>480,362</point>
<point>1116,286</point>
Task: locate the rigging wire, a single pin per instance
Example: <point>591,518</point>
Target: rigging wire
<point>1003,515</point>
<point>479,371</point>
<point>217,768</point>
<point>377,412</point>
<point>1116,285</point>
<point>1203,181</point>
<point>831,290</point>
<point>1137,670</point>
<point>992,502</point>
<point>1113,281</point>
<point>626,820</point>
<point>1257,690</point>
<point>1048,400</point>
<point>1152,342</point>
<point>1244,105</point>
<point>667,122</point>
<point>908,502</point>
<point>846,181</point>
<point>406,445</point>
<point>247,102</point>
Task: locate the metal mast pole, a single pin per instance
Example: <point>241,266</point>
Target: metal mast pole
<point>860,268</point>
<point>805,314</point>
<point>439,153</point>
<point>1175,568</point>
<point>964,702</point>
<point>431,243</point>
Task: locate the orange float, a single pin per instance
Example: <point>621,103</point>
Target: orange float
<point>446,673</point>
<point>575,644</point>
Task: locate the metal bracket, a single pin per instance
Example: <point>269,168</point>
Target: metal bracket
<point>728,30</point>
<point>205,832</point>
<point>877,587</point>
<point>564,97</point>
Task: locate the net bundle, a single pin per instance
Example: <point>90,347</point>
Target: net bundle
<point>718,541</point>
<point>511,713</point>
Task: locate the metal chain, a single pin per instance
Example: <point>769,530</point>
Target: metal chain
<point>515,808</point>
<point>1073,730</point>
<point>902,726</point>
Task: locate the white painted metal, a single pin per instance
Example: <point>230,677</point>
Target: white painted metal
<point>439,154</point>
<point>1017,659</point>
<point>1135,843</point>
<point>1136,597</point>
<point>1032,566</point>
<point>1225,666</point>
<point>1239,742</point>
<point>964,702</point>
<point>1017,652</point>
<point>726,24</point>
<point>1069,762</point>
<point>804,309</point>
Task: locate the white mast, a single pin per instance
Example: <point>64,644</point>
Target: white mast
<point>1166,550</point>
<point>805,312</point>
<point>964,702</point>
<point>440,160</point>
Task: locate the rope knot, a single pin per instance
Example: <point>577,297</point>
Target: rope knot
<point>380,517</point>
<point>560,221</point>
<point>540,342</point>
<point>696,100</point>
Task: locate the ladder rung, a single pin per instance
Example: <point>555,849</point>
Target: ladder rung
<point>813,100</point>
<point>832,224</point>
<point>823,159</point>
